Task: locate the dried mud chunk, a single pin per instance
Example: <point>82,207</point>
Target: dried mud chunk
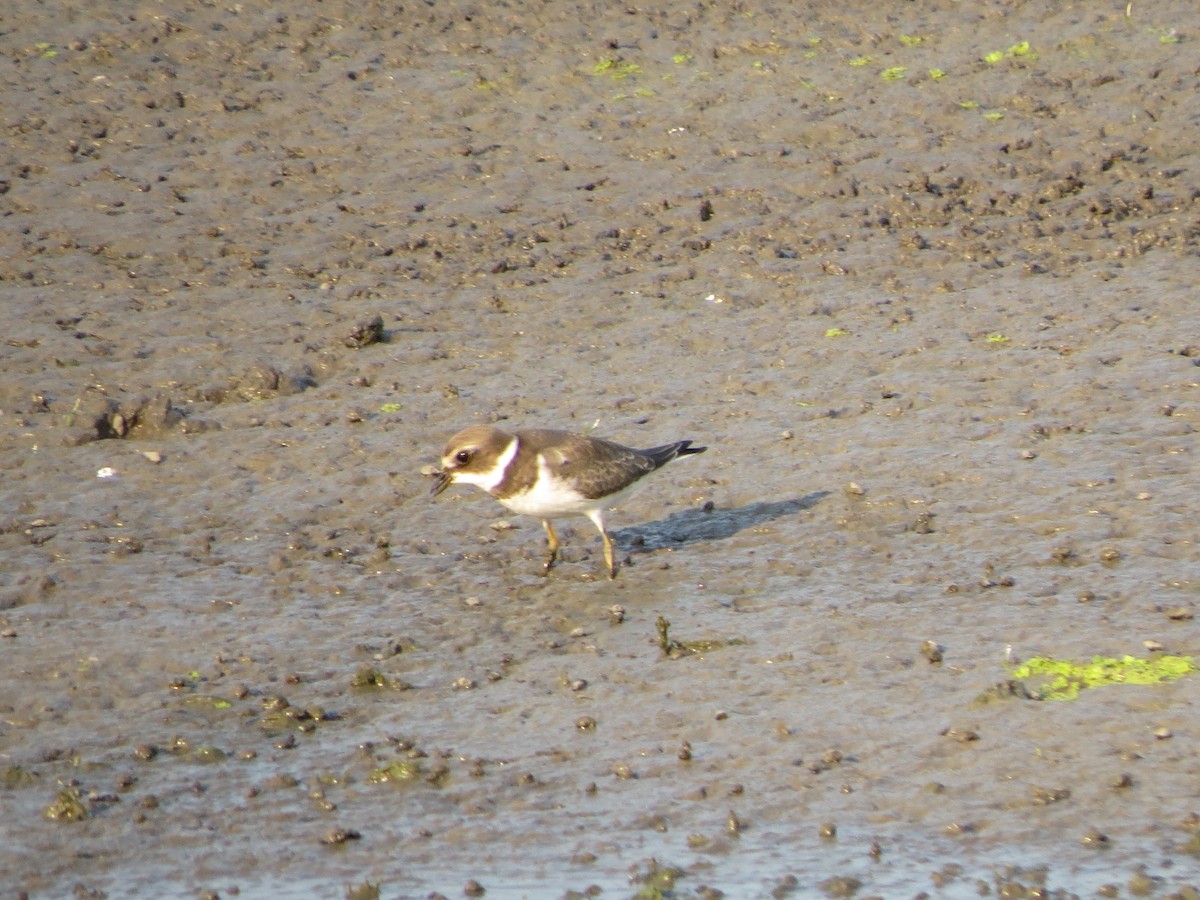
<point>260,382</point>
<point>104,418</point>
<point>31,587</point>
<point>146,417</point>
<point>367,332</point>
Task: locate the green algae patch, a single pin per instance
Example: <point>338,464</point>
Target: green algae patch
<point>68,806</point>
<point>207,701</point>
<point>616,69</point>
<point>1065,679</point>
<point>399,772</point>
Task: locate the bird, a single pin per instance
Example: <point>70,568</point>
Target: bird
<point>550,474</point>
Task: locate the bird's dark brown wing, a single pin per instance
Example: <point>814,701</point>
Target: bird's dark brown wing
<point>597,467</point>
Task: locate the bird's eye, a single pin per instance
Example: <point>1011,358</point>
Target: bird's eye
<point>462,457</point>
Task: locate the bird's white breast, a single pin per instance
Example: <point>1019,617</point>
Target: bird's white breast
<point>550,496</point>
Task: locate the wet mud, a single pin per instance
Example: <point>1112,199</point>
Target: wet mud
<point>921,277</point>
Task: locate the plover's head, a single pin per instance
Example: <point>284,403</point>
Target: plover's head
<point>477,455</point>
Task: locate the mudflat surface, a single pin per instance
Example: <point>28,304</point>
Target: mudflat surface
<point>921,276</point>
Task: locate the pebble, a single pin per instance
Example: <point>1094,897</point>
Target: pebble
<point>932,651</point>
<point>962,735</point>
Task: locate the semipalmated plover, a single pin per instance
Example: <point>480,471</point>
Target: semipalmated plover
<point>550,474</point>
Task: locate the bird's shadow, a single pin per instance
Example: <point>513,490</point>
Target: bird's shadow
<point>692,525</point>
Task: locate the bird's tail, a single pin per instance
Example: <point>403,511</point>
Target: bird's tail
<point>667,452</point>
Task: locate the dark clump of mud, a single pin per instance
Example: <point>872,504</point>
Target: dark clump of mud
<point>920,276</point>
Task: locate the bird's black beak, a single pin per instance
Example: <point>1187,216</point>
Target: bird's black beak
<point>444,480</point>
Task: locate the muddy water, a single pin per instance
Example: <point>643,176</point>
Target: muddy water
<point>934,317</point>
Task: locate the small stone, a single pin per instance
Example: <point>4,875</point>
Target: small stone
<point>153,455</point>
<point>1180,613</point>
<point>854,489</point>
<point>1153,646</point>
<point>962,735</point>
<point>841,886</point>
<point>1028,454</point>
<point>340,836</point>
<point>1162,733</point>
<point>1045,796</point>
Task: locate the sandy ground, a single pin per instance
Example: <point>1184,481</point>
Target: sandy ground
<point>922,276</point>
